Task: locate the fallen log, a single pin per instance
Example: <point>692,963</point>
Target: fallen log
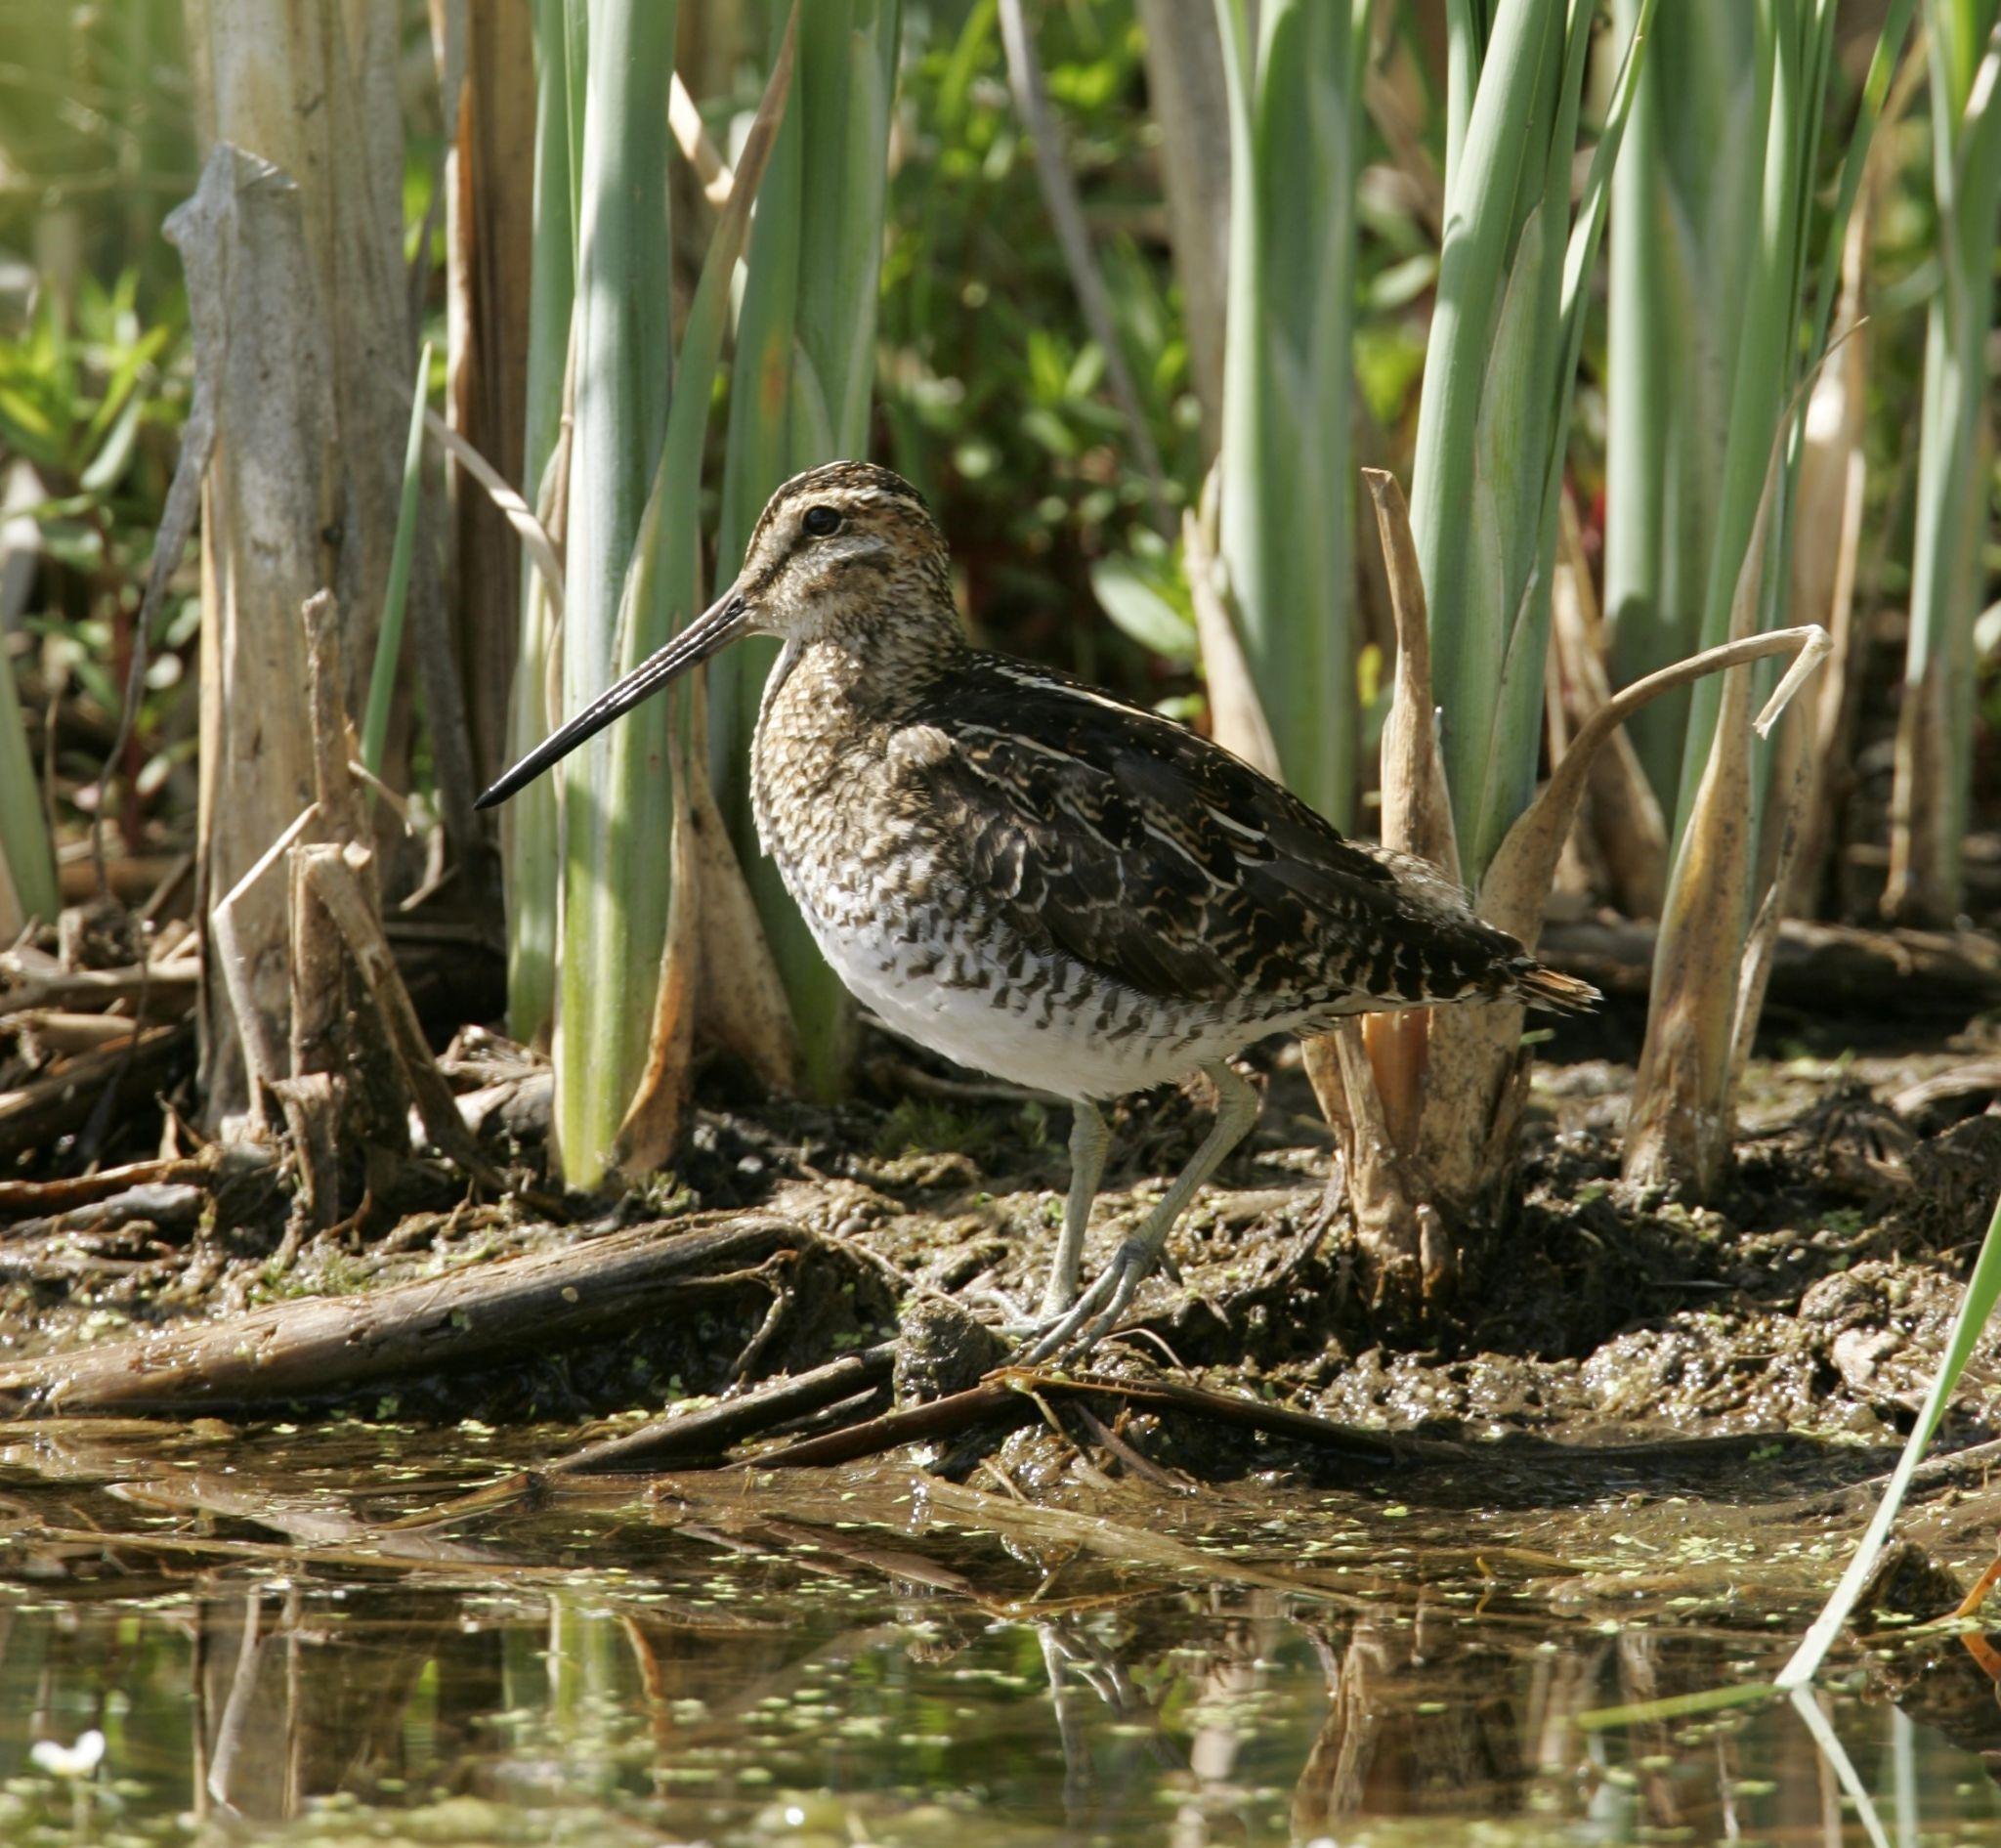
<point>1817,968</point>
<point>317,1348</point>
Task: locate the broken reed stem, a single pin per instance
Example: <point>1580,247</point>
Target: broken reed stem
<point>1429,1115</point>
<point>1517,884</point>
<point>1683,1121</point>
<point>1416,810</point>
<point>541,544</point>
<point>335,875</point>
<point>1416,818</point>
<point>262,1058</point>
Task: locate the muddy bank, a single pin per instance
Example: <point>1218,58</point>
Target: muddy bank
<point>1812,1298</point>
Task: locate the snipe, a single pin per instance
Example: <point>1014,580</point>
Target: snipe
<point>1035,877</point>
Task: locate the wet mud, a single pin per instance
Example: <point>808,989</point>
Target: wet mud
<point>1811,1298</point>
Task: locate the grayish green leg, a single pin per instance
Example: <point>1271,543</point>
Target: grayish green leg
<point>1089,1142</point>
<point>1105,1301</point>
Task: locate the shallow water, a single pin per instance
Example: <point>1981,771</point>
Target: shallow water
<point>866,1657</point>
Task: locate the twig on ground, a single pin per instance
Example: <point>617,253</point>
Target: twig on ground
<point>49,1198</point>
<point>1009,1393</point>
<point>33,1116</point>
<point>168,983</point>
<point>169,1205</point>
<point>710,1431</point>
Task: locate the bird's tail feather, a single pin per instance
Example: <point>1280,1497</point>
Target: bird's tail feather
<point>1539,987</point>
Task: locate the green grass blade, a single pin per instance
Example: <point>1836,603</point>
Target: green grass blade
<point>1765,317</point>
<point>552,277</point>
<point>30,868</point>
<point>528,824</point>
<point>1982,1291</point>
<point>383,672</point>
<point>1897,22</point>
<point>1287,529</point>
<point>1494,418</point>
<point>1930,806</point>
<point>615,840</point>
<point>800,392</point>
<point>1684,197</point>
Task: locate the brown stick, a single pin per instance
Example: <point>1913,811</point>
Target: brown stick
<point>320,1347</point>
<point>710,1431</point>
<point>51,1035</point>
<point>45,1197</point>
<point>32,1117</point>
<point>166,988</point>
<point>1007,1394</point>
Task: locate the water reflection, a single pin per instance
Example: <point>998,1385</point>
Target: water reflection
<point>639,1676</point>
<point>1180,1717</point>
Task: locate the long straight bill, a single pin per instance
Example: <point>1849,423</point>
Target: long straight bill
<point>716,629</point>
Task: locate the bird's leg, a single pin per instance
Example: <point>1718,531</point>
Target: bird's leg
<point>1089,1142</point>
<point>1105,1301</point>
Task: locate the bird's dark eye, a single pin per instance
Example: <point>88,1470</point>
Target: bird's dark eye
<point>821,521</point>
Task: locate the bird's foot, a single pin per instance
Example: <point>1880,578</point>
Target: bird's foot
<point>1015,1319</point>
<point>1088,1320</point>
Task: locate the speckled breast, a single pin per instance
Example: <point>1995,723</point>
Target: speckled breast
<point>888,900</point>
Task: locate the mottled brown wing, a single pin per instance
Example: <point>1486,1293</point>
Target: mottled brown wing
<point>1113,835</point>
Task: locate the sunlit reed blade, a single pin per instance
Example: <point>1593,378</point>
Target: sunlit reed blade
<point>800,391</point>
<point>1293,73</point>
<point>1929,808</point>
<point>614,846</point>
<point>529,828</point>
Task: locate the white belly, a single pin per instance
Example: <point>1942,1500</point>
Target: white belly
<point>1027,1033</point>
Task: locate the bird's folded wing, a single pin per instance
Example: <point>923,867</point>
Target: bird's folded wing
<point>1119,838</point>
